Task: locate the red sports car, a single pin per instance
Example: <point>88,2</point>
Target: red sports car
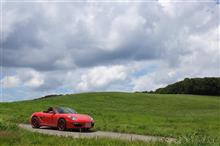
<point>63,118</point>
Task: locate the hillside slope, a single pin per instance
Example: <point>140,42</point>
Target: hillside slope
<point>128,112</point>
<point>139,113</point>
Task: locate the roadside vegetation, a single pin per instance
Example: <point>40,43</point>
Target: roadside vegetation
<point>193,120</point>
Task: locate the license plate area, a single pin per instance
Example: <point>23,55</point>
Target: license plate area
<point>88,125</point>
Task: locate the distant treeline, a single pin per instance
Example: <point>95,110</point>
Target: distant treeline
<point>48,96</point>
<point>198,86</point>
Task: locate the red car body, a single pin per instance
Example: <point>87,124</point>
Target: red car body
<point>61,120</point>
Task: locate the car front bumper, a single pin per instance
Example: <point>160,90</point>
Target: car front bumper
<point>79,125</point>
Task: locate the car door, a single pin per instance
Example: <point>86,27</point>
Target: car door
<point>46,118</point>
<point>54,119</point>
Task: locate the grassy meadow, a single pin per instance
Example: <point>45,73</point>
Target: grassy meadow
<point>193,120</point>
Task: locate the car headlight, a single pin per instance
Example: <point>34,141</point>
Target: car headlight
<point>91,118</point>
<point>72,117</point>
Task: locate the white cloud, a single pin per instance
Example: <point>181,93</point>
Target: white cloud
<point>161,76</point>
<point>23,78</point>
<point>32,78</point>
<point>167,6</point>
<point>10,81</point>
<point>101,77</point>
<point>123,29</point>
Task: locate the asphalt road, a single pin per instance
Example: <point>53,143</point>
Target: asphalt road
<point>96,134</point>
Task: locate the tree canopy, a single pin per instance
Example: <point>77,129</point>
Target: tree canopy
<point>199,86</point>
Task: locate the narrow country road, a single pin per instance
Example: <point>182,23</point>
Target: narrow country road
<point>96,134</point>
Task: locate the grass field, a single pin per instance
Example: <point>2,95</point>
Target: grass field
<point>194,120</point>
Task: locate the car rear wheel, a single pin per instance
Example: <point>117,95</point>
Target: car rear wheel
<point>35,122</point>
<point>61,125</point>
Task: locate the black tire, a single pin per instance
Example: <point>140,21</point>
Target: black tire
<point>61,124</point>
<point>35,122</point>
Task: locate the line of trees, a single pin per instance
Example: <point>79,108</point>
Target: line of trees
<point>199,86</point>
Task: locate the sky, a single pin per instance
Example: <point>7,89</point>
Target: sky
<point>65,47</point>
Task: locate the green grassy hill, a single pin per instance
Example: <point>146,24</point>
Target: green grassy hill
<point>196,119</point>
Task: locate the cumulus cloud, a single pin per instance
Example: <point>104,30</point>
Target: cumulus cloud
<point>23,77</point>
<point>10,81</point>
<point>108,46</point>
<point>102,77</point>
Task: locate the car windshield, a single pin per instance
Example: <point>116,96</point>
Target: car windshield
<point>65,110</point>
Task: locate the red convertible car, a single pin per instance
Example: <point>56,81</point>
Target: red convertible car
<point>63,118</point>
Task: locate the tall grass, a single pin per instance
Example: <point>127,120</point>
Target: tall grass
<point>197,138</point>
